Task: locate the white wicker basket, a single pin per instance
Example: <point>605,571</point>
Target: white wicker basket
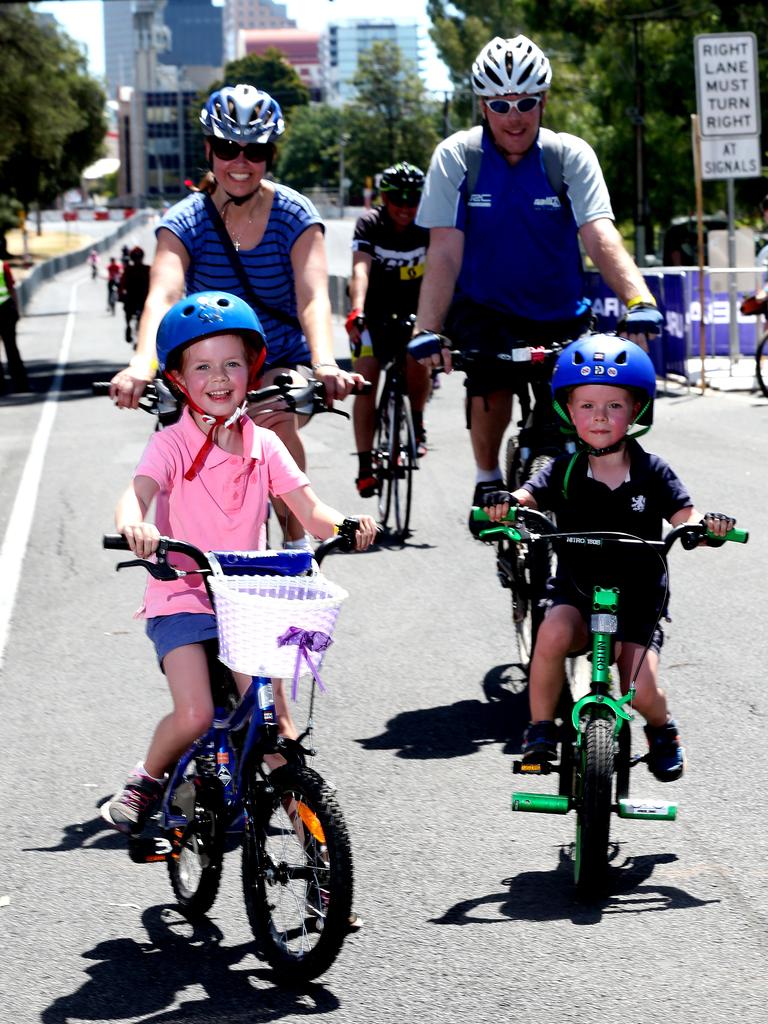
<point>254,611</point>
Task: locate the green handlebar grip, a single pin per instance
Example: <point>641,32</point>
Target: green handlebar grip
<point>479,515</point>
<point>740,536</point>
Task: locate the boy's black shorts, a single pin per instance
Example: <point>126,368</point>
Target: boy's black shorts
<point>637,612</point>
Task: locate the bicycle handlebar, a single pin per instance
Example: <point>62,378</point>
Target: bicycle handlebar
<point>515,527</point>
<point>305,399</point>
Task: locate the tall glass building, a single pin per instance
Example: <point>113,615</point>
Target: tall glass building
<point>347,40</point>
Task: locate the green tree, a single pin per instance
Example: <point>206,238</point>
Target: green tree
<point>56,124</point>
<point>391,117</point>
<point>309,156</point>
<point>270,72</point>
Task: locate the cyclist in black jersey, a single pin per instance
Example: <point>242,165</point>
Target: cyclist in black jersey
<point>389,253</point>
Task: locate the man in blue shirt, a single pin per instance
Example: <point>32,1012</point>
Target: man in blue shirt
<point>504,261</point>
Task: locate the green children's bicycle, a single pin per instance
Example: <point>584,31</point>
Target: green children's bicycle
<point>595,750</point>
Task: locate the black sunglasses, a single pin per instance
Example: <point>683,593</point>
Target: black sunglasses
<point>254,152</point>
<point>404,198</point>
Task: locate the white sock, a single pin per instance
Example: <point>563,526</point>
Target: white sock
<point>300,544</point>
<point>141,770</point>
<point>484,476</point>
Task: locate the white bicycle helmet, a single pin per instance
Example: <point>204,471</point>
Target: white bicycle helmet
<point>507,66</point>
<point>242,113</point>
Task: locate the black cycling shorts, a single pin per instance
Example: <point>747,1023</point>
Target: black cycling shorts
<point>472,327</point>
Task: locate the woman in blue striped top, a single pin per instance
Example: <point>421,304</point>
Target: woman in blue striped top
<point>277,235</point>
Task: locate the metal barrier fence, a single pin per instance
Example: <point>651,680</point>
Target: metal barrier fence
<point>676,290</point>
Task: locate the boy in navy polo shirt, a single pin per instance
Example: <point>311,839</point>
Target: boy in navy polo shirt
<point>602,386</point>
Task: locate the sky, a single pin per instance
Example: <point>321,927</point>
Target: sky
<point>82,20</point>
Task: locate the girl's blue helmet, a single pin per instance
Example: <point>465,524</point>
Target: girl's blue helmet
<point>200,315</point>
<point>605,359</point>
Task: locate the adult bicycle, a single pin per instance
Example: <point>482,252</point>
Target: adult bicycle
<point>536,441</point>
<point>297,873</point>
<point>395,452</point>
<point>595,742</point>
<point>757,305</point>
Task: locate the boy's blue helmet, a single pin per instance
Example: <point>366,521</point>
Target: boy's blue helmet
<point>200,315</point>
<point>605,359</point>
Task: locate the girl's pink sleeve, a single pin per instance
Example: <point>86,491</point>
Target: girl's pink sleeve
<point>157,462</point>
<point>284,475</point>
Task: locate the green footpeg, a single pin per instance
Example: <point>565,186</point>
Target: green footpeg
<point>649,809</point>
<point>542,803</point>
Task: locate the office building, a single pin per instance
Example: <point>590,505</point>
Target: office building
<point>250,14</point>
<point>345,41</point>
<point>300,49</point>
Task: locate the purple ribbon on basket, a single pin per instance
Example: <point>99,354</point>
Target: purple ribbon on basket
<point>306,640</point>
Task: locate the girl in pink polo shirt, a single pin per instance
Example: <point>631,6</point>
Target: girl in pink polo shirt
<point>210,476</point>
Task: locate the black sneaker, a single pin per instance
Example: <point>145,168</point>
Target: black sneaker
<point>478,500</point>
<point>540,742</point>
<point>666,757</point>
<point>129,809</point>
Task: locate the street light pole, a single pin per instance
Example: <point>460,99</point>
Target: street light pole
<point>638,118</point>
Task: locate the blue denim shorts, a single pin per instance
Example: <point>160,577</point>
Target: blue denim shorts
<point>167,632</point>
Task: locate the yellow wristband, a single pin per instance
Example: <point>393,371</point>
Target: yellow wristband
<point>641,300</point>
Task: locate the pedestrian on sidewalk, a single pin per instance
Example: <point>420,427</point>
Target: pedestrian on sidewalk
<point>9,315</point>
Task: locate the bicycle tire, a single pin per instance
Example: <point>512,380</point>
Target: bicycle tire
<point>381,449</point>
<point>297,873</point>
<point>594,806</point>
<point>402,461</point>
<point>761,364</point>
<point>197,856</point>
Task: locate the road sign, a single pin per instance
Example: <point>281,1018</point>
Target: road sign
<point>727,86</point>
<point>730,158</point>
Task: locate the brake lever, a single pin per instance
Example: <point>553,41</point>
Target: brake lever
<point>159,570</point>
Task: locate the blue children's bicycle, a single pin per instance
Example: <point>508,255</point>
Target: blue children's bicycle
<point>296,856</point>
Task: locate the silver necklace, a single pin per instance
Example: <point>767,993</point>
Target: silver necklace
<point>236,237</point>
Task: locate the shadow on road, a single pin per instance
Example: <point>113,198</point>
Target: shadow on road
<point>456,730</point>
<point>76,382</point>
<point>550,895</point>
<point>129,979</point>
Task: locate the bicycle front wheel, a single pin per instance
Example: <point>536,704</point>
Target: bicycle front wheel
<point>197,851</point>
<point>297,873</point>
<point>381,457</point>
<point>402,461</point>
<point>761,364</point>
<point>594,807</point>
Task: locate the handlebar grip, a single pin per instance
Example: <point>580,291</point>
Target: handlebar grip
<point>739,536</point>
<point>115,542</point>
<point>479,515</point>
<point>100,387</point>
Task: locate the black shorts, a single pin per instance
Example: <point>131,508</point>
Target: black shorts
<point>389,338</point>
<point>637,612</point>
<point>476,328</point>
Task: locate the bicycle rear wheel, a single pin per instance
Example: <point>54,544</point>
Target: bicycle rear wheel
<point>197,853</point>
<point>594,807</point>
<point>297,873</point>
<point>761,364</point>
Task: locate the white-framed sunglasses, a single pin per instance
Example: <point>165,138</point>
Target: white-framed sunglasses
<point>523,106</point>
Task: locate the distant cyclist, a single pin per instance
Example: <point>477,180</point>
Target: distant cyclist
<point>134,285</point>
<point>114,273</point>
<point>389,252</point>
<point>93,261</point>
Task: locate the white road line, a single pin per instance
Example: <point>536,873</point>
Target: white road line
<point>20,523</point>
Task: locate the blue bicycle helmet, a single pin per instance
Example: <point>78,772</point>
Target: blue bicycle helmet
<point>242,113</point>
<point>605,359</point>
<point>200,315</point>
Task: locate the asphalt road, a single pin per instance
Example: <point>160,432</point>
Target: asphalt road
<point>469,909</point>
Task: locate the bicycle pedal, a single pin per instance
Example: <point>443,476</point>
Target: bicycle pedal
<point>148,849</point>
<point>651,810</point>
<point>638,759</point>
<point>540,767</point>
